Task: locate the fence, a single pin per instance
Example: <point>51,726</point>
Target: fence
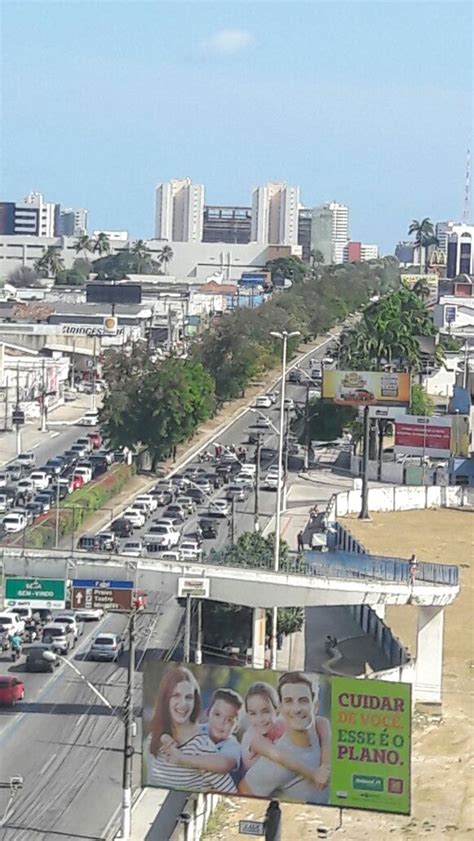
<point>375,627</point>
<point>401,499</point>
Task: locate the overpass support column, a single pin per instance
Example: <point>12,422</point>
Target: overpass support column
<point>258,638</point>
<point>429,655</point>
<point>379,609</point>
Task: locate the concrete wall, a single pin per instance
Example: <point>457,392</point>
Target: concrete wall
<point>375,627</point>
<point>401,499</point>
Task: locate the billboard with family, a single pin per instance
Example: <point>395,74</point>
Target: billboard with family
<point>294,736</point>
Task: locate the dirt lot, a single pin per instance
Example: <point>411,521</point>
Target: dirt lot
<point>443,747</point>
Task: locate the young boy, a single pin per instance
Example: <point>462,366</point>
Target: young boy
<point>222,719</point>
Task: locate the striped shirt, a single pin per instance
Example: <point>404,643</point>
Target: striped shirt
<point>165,774</point>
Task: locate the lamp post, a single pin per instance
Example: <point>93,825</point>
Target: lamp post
<point>283,336</point>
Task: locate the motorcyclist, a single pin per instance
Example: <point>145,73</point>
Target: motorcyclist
<point>4,638</point>
<point>16,643</point>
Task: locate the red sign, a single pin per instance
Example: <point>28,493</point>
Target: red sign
<point>423,436</point>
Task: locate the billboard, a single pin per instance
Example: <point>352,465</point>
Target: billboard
<point>298,737</point>
<point>417,435</point>
<point>35,593</point>
<point>113,293</point>
<point>362,388</point>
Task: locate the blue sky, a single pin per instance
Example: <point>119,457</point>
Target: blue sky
<point>369,103</point>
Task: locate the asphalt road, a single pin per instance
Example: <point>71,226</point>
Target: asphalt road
<point>66,745</point>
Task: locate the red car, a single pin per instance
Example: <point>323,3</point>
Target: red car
<point>77,481</point>
<point>95,439</point>
<point>12,689</point>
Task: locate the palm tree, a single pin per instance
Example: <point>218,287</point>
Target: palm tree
<point>83,243</point>
<point>102,244</point>
<point>50,262</point>
<point>165,256</point>
<point>316,258</point>
<point>142,255</point>
<point>424,237</point>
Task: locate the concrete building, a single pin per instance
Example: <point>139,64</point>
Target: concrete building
<point>359,252</point>
<point>442,231</point>
<point>31,217</point>
<point>275,214</point>
<point>340,229</point>
<point>113,236</point>
<point>179,209</point>
<point>226,223</point>
<point>321,231</point>
<point>460,258</point>
<point>73,223</point>
<point>304,231</point>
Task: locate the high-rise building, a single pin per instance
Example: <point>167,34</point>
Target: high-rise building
<point>442,231</point>
<point>321,231</point>
<point>179,208</point>
<point>226,223</point>
<point>360,252</point>
<point>7,218</point>
<point>36,216</point>
<point>73,223</point>
<point>275,214</point>
<point>304,231</point>
<point>340,229</point>
<point>460,258</point>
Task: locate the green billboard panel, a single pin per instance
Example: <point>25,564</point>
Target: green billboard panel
<point>371,728</point>
<point>35,592</point>
<point>291,736</point>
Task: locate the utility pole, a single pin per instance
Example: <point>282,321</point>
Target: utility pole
<point>128,748</point>
<point>6,403</point>
<point>256,520</point>
<point>364,509</point>
<point>306,431</point>
<point>43,395</point>
<point>72,377</point>
<point>232,522</point>
<point>198,651</point>
<point>18,425</point>
<point>56,537</point>
<point>94,374</point>
<point>187,631</point>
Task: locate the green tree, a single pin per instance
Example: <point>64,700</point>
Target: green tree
<point>101,244</point>
<point>83,243</point>
<point>424,238</point>
<point>316,258</point>
<point>50,263</point>
<point>23,276</point>
<point>142,255</point>
<point>70,277</point>
<point>323,421</point>
<point>421,402</point>
<point>165,256</point>
<point>287,267</point>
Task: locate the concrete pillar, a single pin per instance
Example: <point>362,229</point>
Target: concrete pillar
<point>258,638</point>
<point>429,655</point>
<point>379,609</point>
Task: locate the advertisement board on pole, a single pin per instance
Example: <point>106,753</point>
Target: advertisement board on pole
<point>35,593</point>
<point>198,588</point>
<point>362,388</point>
<point>294,736</point>
<point>417,435</point>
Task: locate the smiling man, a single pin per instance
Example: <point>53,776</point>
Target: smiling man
<point>290,768</point>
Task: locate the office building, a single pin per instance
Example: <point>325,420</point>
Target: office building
<point>179,209</point>
<point>224,223</point>
<point>359,252</point>
<point>73,223</point>
<point>304,231</point>
<point>460,250</point>
<point>442,232</point>
<point>340,229</point>
<point>275,214</point>
<point>7,218</point>
<point>37,217</point>
<point>321,231</point>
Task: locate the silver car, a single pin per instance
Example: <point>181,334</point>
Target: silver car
<point>106,647</point>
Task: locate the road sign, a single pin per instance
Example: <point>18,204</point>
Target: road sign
<point>18,417</point>
<point>35,592</point>
<point>255,828</point>
<point>111,595</point>
<point>198,588</point>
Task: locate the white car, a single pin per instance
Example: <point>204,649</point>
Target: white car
<point>5,502</point>
<point>270,482</point>
<point>40,480</point>
<point>263,402</point>
<point>220,507</point>
<point>85,472</point>
<point>163,535</point>
<point>135,517</point>
<point>27,459</point>
<point>3,480</point>
<point>90,418</point>
<point>248,468</point>
<point>141,507</point>
<point>14,522</point>
<point>132,547</point>
<point>25,486</point>
<point>149,500</point>
<point>89,614</point>
<point>71,620</point>
<point>186,502</point>
<point>289,404</point>
<point>13,623</point>
<point>190,550</point>
<point>263,422</point>
<point>244,479</point>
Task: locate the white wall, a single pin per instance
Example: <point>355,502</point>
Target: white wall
<point>402,499</point>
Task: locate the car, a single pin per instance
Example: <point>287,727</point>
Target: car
<point>40,480</point>
<point>16,471</point>
<point>98,463</point>
<point>263,422</point>
<point>176,512</point>
<point>181,483</point>
<point>295,376</point>
<point>166,555</point>
<point>289,404</point>
<point>80,451</point>
<point>86,442</point>
<point>69,395</point>
<point>25,487</point>
<point>95,439</point>
<point>219,507</point>
<point>237,492</point>
<point>121,527</point>
<point>6,502</point>
<point>54,466</point>
<point>107,541</point>
<point>141,507</point>
<point>106,647</point>
<point>12,689</point>
<point>162,534</point>
<point>162,495</point>
<point>107,454</point>
<point>196,495</point>
<point>228,458</point>
<point>195,472</point>
<point>248,467</point>
<point>35,661</point>
<point>3,480</point>
<point>209,528</point>
<point>20,509</point>
<point>13,623</point>
<point>90,418</point>
<point>132,547</point>
<point>89,543</point>
<point>25,613</point>
<point>28,459</point>
<point>64,488</point>
<point>190,550</point>
<point>316,374</point>
<point>89,614</point>
<point>84,472</point>
<point>169,521</point>
<point>187,503</point>
<point>72,456</point>
<point>328,359</point>
<point>244,479</point>
<point>263,402</point>
<point>149,501</point>
<point>45,501</point>
<point>273,395</point>
<point>59,636</point>
<point>226,471</point>
<point>14,522</point>
<point>70,620</point>
<point>205,486</point>
<point>136,518</point>
<point>217,480</point>
<point>270,481</point>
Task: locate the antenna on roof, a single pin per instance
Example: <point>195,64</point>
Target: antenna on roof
<point>467,191</point>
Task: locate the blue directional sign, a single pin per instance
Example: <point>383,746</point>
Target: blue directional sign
<point>115,585</point>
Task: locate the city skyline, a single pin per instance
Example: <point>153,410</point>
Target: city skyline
<point>216,105</point>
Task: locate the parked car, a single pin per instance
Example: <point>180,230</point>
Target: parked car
<point>106,647</point>
<point>35,661</point>
<point>263,402</point>
<point>54,466</point>
<point>40,480</point>
<point>196,495</point>
<point>98,463</point>
<point>90,418</point>
<point>263,422</point>
<point>12,689</point>
<point>25,487</point>
<point>107,541</point>
<point>80,451</point>
<point>245,479</point>
<point>77,481</point>
<point>85,472</point>
<point>121,527</point>
<point>270,481</point>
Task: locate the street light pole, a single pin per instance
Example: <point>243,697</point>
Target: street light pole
<point>56,535</point>
<point>256,521</point>
<point>128,749</point>
<point>283,336</point>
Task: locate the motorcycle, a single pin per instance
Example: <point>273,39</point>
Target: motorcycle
<point>16,653</point>
<point>204,457</point>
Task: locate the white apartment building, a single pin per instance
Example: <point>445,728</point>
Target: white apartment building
<point>73,222</point>
<point>36,217</point>
<point>442,232</point>
<point>179,210</point>
<point>368,252</point>
<point>340,229</point>
<point>275,214</point>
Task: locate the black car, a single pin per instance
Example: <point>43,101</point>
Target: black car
<point>36,509</point>
<point>35,661</point>
<point>163,496</point>
<point>216,480</point>
<point>72,457</point>
<point>195,494</point>
<point>122,527</point>
<point>295,376</point>
<point>208,528</point>
<point>54,466</point>
<point>99,464</point>
<point>89,543</point>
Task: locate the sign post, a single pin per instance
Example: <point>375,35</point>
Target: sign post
<point>35,593</point>
<point>109,595</point>
<point>255,828</point>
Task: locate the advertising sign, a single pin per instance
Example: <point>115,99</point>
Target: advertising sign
<point>360,388</point>
<point>198,588</point>
<point>255,828</point>
<point>416,435</point>
<point>411,280</point>
<point>35,592</point>
<point>294,736</point>
<point>109,595</point>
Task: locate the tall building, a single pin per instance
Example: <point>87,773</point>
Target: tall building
<point>36,216</point>
<point>340,229</point>
<point>275,214</point>
<point>321,231</point>
<point>460,258</point>
<point>360,252</point>
<point>73,223</point>
<point>442,231</point>
<point>226,223</point>
<point>304,231</point>
<point>7,218</point>
<point>179,208</point>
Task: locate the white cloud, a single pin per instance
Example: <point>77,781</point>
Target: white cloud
<point>229,41</point>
